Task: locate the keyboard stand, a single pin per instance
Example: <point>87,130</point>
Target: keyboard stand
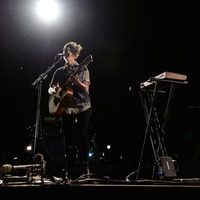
<point>156,115</point>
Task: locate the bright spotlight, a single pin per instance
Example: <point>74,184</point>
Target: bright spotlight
<point>47,10</point>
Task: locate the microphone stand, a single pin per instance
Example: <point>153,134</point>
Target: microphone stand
<point>38,84</point>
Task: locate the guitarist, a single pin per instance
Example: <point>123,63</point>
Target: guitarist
<point>77,106</point>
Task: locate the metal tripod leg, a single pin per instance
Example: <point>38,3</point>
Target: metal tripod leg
<point>153,129</point>
<point>148,114</point>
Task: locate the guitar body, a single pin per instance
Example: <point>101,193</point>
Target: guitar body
<point>59,101</point>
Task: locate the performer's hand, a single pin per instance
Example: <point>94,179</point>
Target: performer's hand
<point>57,88</point>
<point>75,80</point>
<point>54,89</point>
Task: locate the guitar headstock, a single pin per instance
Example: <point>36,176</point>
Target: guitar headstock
<point>84,64</point>
<point>87,60</point>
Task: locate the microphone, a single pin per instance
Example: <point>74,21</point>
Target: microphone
<point>66,54</point>
<point>61,54</point>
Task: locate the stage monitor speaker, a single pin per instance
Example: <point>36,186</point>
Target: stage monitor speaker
<point>168,166</point>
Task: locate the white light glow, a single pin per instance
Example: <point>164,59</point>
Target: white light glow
<point>28,148</point>
<point>108,146</point>
<point>47,10</point>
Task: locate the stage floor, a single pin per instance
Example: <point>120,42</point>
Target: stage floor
<point>87,187</point>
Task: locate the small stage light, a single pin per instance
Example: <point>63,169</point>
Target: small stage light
<point>28,148</point>
<point>108,147</point>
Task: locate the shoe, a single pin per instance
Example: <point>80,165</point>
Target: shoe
<point>86,168</point>
<point>64,174</point>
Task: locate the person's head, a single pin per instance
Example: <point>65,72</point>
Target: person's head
<point>72,50</point>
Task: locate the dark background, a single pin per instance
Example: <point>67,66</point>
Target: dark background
<point>130,41</point>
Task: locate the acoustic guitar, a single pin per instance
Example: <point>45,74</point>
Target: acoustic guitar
<point>59,101</point>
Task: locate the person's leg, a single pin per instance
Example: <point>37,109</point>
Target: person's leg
<point>83,120</point>
<point>68,122</point>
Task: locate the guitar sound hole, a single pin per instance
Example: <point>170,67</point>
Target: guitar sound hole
<point>56,100</point>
